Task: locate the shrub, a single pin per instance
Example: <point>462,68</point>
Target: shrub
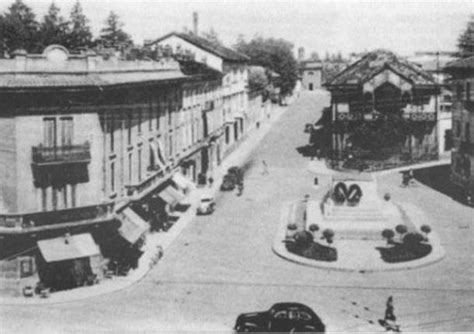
<point>303,239</point>
<point>425,229</point>
<point>314,227</point>
<point>388,234</point>
<point>328,234</point>
<point>401,229</point>
<point>412,241</point>
<point>386,197</point>
<point>292,227</point>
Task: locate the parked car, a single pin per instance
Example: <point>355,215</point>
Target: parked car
<point>231,179</point>
<point>206,204</point>
<point>283,318</point>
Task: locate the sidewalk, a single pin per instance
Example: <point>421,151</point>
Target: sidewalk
<point>157,240</point>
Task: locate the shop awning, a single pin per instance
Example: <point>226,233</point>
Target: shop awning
<point>68,247</point>
<point>171,195</point>
<point>133,226</point>
<point>182,181</point>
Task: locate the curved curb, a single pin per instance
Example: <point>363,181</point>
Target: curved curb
<point>278,247</point>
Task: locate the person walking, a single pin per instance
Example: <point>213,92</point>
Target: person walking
<point>389,320</point>
<point>265,168</point>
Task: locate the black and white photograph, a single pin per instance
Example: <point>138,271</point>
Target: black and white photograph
<point>205,166</point>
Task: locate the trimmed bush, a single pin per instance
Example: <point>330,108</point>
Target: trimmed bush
<point>292,227</point>
<point>388,234</point>
<point>425,229</point>
<point>314,227</point>
<point>328,234</point>
<point>401,229</point>
<point>303,239</point>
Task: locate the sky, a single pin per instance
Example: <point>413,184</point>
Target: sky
<point>321,26</point>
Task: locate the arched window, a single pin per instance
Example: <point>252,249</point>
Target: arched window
<point>368,102</point>
<point>310,73</point>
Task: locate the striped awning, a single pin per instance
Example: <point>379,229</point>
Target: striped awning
<point>68,247</point>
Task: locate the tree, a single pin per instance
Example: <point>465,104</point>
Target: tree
<point>212,36</point>
<point>113,35</point>
<point>257,79</point>
<point>275,54</point>
<point>79,31</point>
<point>20,28</point>
<point>388,234</point>
<point>466,39</point>
<point>53,29</point>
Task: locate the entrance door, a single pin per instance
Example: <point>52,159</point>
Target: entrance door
<point>310,86</point>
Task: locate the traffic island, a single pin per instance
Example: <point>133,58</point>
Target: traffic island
<point>353,229</point>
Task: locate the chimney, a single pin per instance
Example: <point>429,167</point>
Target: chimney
<point>301,54</point>
<point>195,23</point>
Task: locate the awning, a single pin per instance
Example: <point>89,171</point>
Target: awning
<point>171,195</point>
<point>133,226</point>
<point>182,181</point>
<point>68,247</point>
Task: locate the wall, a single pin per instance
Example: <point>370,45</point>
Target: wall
<point>312,76</point>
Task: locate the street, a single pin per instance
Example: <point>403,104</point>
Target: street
<point>223,265</point>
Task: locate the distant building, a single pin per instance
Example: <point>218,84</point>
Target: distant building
<point>381,91</point>
<point>462,161</point>
<point>311,73</point>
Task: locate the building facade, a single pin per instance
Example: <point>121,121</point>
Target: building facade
<point>232,93</point>
<point>92,155</point>
<point>383,108</point>
<point>462,159</point>
<point>311,73</point>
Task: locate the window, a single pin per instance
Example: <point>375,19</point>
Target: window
<point>459,91</point>
<point>112,177</point>
<point>139,165</point>
<point>467,132</point>
<point>111,132</point>
<point>139,114</point>
<point>310,73</point>
<point>170,146</point>
<point>468,91</point>
<point>44,199</point>
<point>158,109</point>
<point>448,140</point>
<point>130,170</point>
<point>129,128</point>
<point>150,117</point>
<point>73,195</point>
<point>49,126</point>
<point>66,131</point>
<point>458,129</point>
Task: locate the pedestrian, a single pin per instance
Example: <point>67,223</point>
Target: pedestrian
<point>265,168</point>
<point>210,181</point>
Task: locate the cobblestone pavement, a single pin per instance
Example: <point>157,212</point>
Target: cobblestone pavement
<point>222,265</point>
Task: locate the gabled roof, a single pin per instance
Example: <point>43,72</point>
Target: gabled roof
<point>375,62</point>
<point>218,50</point>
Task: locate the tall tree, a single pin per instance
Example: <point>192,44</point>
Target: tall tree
<point>275,54</point>
<point>20,28</point>
<point>113,35</point>
<point>79,31</point>
<point>466,40</point>
<point>54,28</point>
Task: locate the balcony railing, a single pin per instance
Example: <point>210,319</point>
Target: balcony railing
<point>61,154</point>
<point>412,116</point>
<point>155,178</point>
<point>420,116</point>
<point>41,219</point>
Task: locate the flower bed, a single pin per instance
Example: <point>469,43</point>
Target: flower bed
<point>303,245</point>
<point>413,247</point>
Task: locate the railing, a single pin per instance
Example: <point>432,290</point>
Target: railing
<point>37,219</point>
<point>412,116</point>
<point>153,179</point>
<point>420,116</point>
<point>61,154</point>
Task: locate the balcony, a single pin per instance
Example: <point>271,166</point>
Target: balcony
<point>420,116</point>
<point>153,179</point>
<point>208,106</point>
<point>42,155</point>
<point>60,218</point>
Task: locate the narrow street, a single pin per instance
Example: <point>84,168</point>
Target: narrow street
<point>223,264</point>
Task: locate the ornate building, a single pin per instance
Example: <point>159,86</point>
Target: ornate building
<point>383,109</point>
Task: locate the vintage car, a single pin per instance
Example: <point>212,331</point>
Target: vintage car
<point>206,204</point>
<point>282,318</point>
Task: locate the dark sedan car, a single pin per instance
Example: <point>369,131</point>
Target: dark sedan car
<point>283,318</point>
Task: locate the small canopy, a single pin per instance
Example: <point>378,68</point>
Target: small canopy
<point>171,196</point>
<point>132,227</point>
<point>68,247</point>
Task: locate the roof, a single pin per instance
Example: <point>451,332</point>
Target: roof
<point>463,63</point>
<point>69,80</point>
<point>68,247</point>
<point>194,68</point>
<point>375,62</point>
<point>132,226</point>
<point>218,50</point>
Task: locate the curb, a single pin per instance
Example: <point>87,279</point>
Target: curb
<point>164,240</point>
<point>278,247</point>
